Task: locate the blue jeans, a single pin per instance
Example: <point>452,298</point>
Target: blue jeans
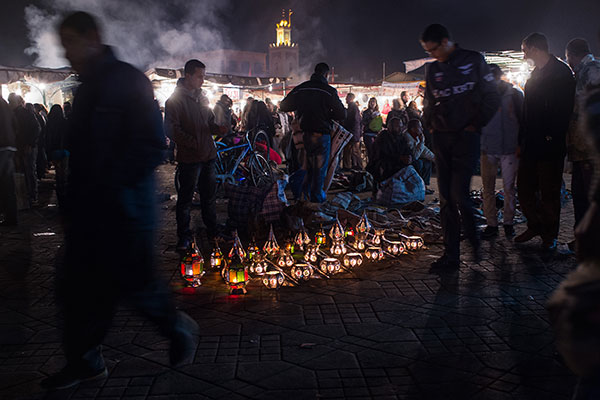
<point>423,168</point>
<point>202,176</point>
<point>317,147</point>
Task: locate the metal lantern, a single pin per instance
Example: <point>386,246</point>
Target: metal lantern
<point>253,251</point>
<point>300,240</point>
<point>330,265</point>
<point>302,271</point>
<point>271,248</point>
<point>352,260</point>
<point>285,259</point>
<point>312,253</point>
<point>349,231</point>
<point>394,247</point>
<point>363,227</point>
<point>378,236</point>
<point>415,242</point>
<point>290,246</point>
<point>216,257</point>
<point>237,247</point>
<point>374,253</point>
<point>337,231</point>
<point>321,237</point>
<point>235,274</point>
<point>360,244</point>
<point>273,278</point>
<point>192,266</point>
<point>258,266</point>
<point>338,248</point>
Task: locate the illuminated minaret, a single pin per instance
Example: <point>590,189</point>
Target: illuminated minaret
<point>283,54</point>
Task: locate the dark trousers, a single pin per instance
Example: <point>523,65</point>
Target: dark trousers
<point>8,196</point>
<point>352,157</point>
<point>91,284</point>
<point>538,186</point>
<point>61,167</point>
<point>192,176</point>
<point>581,182</point>
<point>423,168</point>
<point>456,157</point>
<point>27,159</point>
<point>368,139</point>
<point>318,147</point>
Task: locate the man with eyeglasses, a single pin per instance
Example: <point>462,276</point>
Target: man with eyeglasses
<point>460,98</point>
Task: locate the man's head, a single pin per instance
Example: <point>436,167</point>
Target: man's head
<point>436,42</point>
<point>404,97</point>
<point>80,36</point>
<point>14,100</point>
<point>396,103</point>
<point>535,47</point>
<point>226,100</point>
<point>350,98</point>
<point>414,127</point>
<point>576,50</point>
<point>249,101</point>
<point>194,71</point>
<point>322,69</point>
<point>496,72</point>
<point>394,125</point>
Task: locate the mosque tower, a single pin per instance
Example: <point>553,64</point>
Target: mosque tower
<point>283,54</point>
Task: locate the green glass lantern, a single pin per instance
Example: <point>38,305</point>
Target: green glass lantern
<point>235,274</point>
<point>253,251</point>
<point>321,237</point>
<point>192,266</point>
<point>216,257</point>
<point>289,246</point>
<point>349,231</point>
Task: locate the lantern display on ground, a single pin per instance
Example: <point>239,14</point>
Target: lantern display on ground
<point>258,266</point>
<point>394,247</point>
<point>352,260</point>
<point>330,265</point>
<point>312,253</point>
<point>413,242</point>
<point>321,237</point>
<point>271,248</point>
<point>378,236</point>
<point>235,274</point>
<point>374,253</point>
<point>363,227</point>
<point>216,257</point>
<point>273,278</point>
<point>237,247</point>
<point>253,251</point>
<point>338,248</point>
<point>336,232</point>
<point>302,271</point>
<point>192,266</point>
<point>285,259</point>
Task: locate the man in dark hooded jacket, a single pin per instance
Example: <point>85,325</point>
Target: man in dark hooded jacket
<point>316,103</point>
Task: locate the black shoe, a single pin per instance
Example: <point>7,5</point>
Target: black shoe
<point>445,263</point>
<point>183,342</point>
<point>526,236</point>
<point>489,232</point>
<point>183,244</point>
<point>70,376</point>
<point>549,245</point>
<point>509,231</point>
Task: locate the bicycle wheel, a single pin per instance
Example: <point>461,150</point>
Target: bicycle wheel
<point>260,171</point>
<point>262,138</point>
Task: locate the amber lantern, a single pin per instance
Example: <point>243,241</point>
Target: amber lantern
<point>352,260</point>
<point>235,274</point>
<point>378,236</point>
<point>321,237</point>
<point>394,247</point>
<point>330,265</point>
<point>258,266</point>
<point>273,278</point>
<point>253,251</point>
<point>192,266</point>
<point>285,259</point>
<point>216,257</point>
<point>337,231</point>
<point>290,246</point>
<point>302,271</point>
<point>374,253</point>
<point>338,248</point>
<point>271,248</point>
<point>312,253</point>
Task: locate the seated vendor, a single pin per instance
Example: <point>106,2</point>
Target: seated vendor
<point>422,157</point>
<point>391,153</point>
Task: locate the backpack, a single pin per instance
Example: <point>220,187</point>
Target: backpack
<point>376,124</point>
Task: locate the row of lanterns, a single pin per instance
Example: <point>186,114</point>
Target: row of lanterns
<point>303,258</point>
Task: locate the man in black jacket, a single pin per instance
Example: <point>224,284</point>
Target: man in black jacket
<point>8,148</point>
<point>316,104</point>
<point>548,105</point>
<point>460,98</point>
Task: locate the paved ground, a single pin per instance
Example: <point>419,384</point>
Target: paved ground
<point>391,330</point>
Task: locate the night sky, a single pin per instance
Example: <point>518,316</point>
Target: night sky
<point>356,37</point>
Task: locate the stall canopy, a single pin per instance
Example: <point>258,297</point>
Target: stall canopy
<point>219,79</point>
<point>38,74</point>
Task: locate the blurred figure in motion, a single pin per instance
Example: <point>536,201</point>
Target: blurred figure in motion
<point>115,141</point>
<point>8,148</point>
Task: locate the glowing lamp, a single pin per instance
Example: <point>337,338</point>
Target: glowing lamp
<point>273,279</point>
<point>253,251</point>
<point>237,247</point>
<point>374,253</point>
<point>235,275</point>
<point>312,253</point>
<point>285,259</point>
<point>216,257</point>
<point>352,260</point>
<point>302,271</point>
<point>258,266</point>
<point>192,266</point>
<point>338,248</point>
<point>321,237</point>
<point>289,246</point>
<point>330,265</point>
<point>349,231</point>
<point>394,247</point>
<point>301,239</point>
<point>415,242</point>
<point>378,236</point>
<point>271,248</point>
<point>360,244</point>
<point>363,227</point>
<point>336,232</point>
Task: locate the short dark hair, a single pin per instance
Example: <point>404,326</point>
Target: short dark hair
<point>321,69</point>
<point>435,33</point>
<point>496,71</point>
<point>537,40</point>
<point>578,47</point>
<point>412,123</point>
<point>192,65</point>
<point>80,22</point>
<point>351,96</point>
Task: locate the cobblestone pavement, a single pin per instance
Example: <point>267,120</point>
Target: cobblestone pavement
<point>390,330</point>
